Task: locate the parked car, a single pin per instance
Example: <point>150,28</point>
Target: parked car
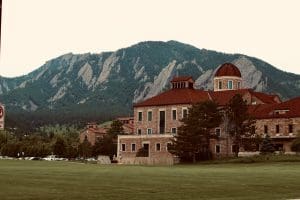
<point>54,158</point>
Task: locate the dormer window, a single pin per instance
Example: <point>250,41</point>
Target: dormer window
<point>280,112</point>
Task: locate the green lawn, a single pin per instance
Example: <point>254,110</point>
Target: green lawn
<point>66,180</point>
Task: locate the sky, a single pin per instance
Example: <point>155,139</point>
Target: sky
<point>34,31</point>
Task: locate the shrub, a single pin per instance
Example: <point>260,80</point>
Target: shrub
<point>296,145</point>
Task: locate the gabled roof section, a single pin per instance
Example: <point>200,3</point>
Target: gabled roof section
<point>176,96</point>
<point>287,109</point>
<point>266,98</point>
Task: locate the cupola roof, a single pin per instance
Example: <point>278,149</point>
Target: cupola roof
<point>228,69</point>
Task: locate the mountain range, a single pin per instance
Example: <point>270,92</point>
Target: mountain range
<point>105,85</point>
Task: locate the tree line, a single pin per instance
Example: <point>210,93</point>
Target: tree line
<point>62,141</point>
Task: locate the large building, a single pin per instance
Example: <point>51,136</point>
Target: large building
<point>94,132</point>
<point>157,119</point>
<point>2,116</point>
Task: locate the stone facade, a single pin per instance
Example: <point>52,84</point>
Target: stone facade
<point>222,83</point>
<point>92,133</point>
<point>145,123</point>
<point>129,145</point>
<point>282,131</point>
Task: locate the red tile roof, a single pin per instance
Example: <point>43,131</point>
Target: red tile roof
<point>124,118</point>
<point>98,130</point>
<point>228,69</point>
<point>223,97</point>
<point>176,96</point>
<point>181,78</point>
<point>290,109</point>
<point>265,98</point>
<point>189,96</point>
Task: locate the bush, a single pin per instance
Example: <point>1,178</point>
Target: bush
<point>296,145</point>
<point>258,159</point>
<point>142,152</point>
<point>267,146</point>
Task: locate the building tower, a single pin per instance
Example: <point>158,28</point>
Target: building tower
<point>227,77</point>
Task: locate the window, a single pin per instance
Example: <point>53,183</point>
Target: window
<point>265,129</point>
<point>146,149</point>
<point>139,131</point>
<point>253,130</point>
<point>229,84</point>
<point>133,147</point>
<point>140,116</point>
<point>234,148</point>
<point>173,130</point>
<point>277,128</point>
<point>123,147</point>
<point>239,85</point>
<point>149,131</point>
<point>291,128</point>
<point>218,148</point>
<point>149,116</point>
<point>184,112</point>
<point>168,146</point>
<point>157,146</point>
<point>98,138</point>
<point>218,132</point>
<point>220,85</point>
<point>174,114</point>
<point>162,122</point>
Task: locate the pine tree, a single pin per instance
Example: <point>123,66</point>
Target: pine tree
<point>116,129</point>
<point>267,146</point>
<point>59,147</point>
<point>296,144</point>
<point>194,135</point>
<point>85,149</point>
<point>105,146</point>
<point>239,123</point>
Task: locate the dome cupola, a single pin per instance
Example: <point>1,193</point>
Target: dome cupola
<point>228,69</point>
<point>227,77</point>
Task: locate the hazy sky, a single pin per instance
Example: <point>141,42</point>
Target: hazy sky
<point>34,31</point>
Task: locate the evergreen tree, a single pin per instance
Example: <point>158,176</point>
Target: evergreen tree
<point>59,148</point>
<point>238,122</point>
<point>105,146</point>
<point>296,144</point>
<point>85,149</point>
<point>267,146</point>
<point>194,135</point>
<point>116,129</point>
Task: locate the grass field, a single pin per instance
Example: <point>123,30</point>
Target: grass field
<point>66,180</point>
